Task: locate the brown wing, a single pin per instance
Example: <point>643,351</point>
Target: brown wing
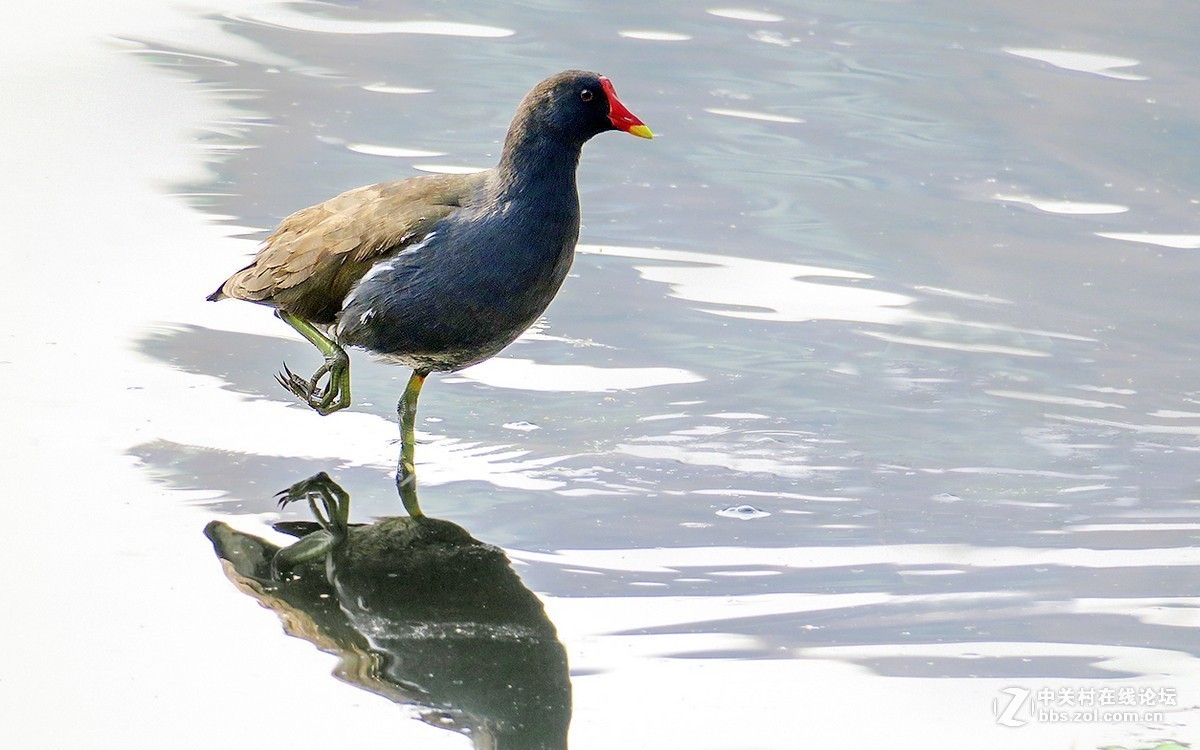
<point>309,264</point>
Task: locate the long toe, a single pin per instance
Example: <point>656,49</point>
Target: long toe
<point>325,399</point>
<point>293,384</point>
<point>283,497</point>
<point>336,394</point>
<point>334,399</point>
<point>315,381</point>
<point>298,491</point>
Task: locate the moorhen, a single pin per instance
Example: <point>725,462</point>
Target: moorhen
<point>436,272</point>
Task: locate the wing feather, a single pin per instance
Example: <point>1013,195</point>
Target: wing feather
<point>311,261</point>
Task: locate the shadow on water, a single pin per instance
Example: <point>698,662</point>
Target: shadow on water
<point>417,611</point>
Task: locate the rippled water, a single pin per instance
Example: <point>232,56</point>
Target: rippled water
<point>873,392</point>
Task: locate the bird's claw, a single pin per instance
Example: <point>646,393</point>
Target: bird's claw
<point>329,503</point>
<point>316,485</point>
<point>323,399</point>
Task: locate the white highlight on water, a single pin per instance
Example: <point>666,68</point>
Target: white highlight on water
<point>654,36</point>
<point>394,151</point>
<point>1074,208</point>
<point>745,114</point>
<point>745,14</point>
<point>289,19</point>
<point>1081,62</point>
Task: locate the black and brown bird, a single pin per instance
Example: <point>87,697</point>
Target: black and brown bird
<point>436,272</point>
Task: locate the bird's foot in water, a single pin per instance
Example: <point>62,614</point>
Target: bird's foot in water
<point>324,398</point>
<point>317,487</point>
<point>332,514</point>
<point>312,548</point>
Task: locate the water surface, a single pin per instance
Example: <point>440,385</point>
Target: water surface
<point>874,389</point>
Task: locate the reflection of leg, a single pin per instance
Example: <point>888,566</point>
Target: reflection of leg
<point>333,515</point>
<point>406,472</point>
<point>335,394</point>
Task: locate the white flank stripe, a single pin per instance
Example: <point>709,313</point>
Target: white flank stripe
<point>385,264</point>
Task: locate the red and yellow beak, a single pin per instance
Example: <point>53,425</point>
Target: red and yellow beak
<point>621,118</point>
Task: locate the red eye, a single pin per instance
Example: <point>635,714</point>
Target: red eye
<point>586,95</point>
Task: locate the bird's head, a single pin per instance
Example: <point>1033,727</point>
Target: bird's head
<point>579,104</point>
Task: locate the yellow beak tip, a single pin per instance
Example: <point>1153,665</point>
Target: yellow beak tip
<point>641,131</point>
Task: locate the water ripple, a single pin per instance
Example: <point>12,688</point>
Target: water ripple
<point>292,20</point>
<point>525,374</point>
<point>773,290</point>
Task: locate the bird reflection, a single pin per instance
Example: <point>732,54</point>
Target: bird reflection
<point>418,611</point>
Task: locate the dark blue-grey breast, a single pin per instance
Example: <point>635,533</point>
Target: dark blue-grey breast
<point>456,298</point>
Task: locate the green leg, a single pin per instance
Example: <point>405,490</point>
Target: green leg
<point>335,394</point>
<point>406,472</point>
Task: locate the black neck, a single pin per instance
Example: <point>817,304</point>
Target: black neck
<point>541,160</point>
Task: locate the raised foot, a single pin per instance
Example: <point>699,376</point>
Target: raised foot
<point>323,397</point>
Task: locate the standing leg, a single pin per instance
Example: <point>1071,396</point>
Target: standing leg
<point>333,395</point>
<point>406,472</point>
